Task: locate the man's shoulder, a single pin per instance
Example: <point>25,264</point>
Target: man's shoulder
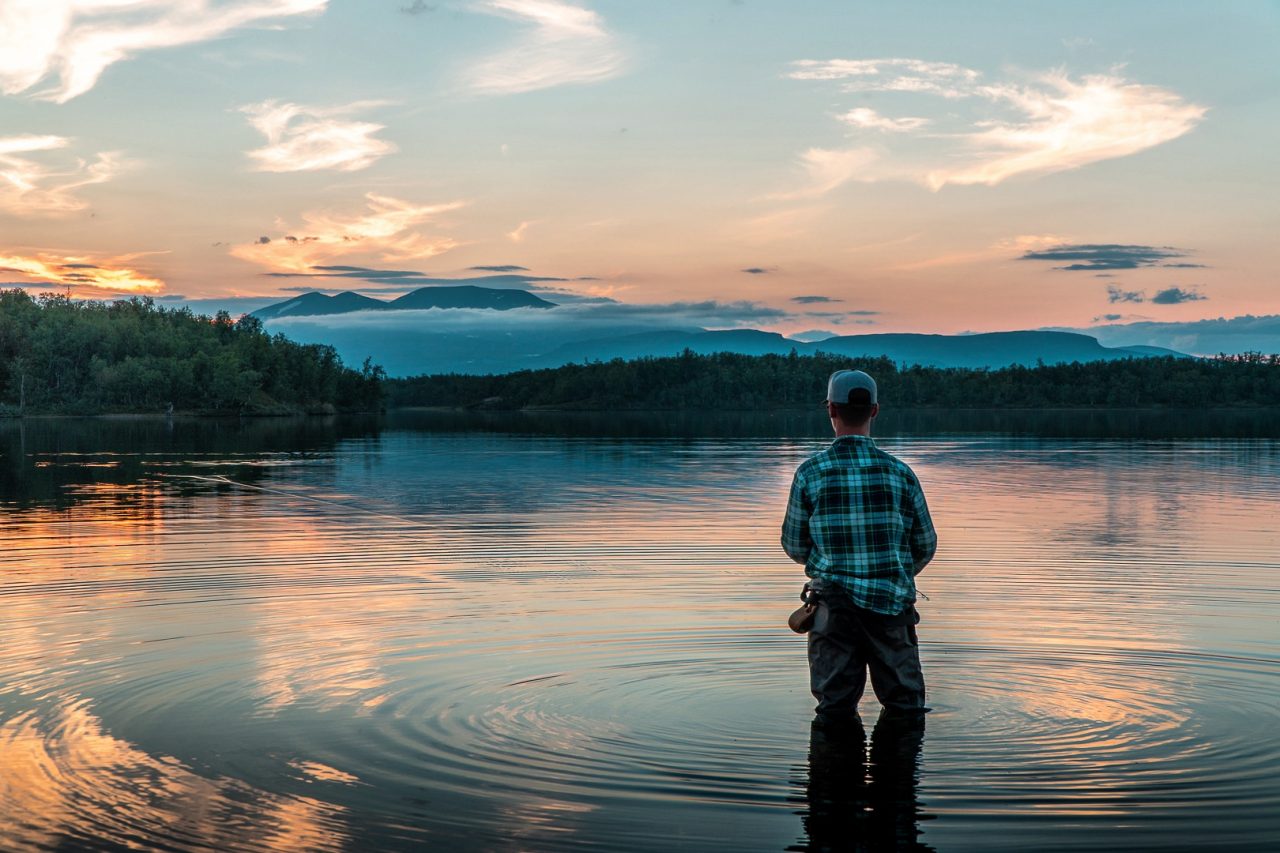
<point>834,459</point>
<point>813,462</point>
<point>896,465</point>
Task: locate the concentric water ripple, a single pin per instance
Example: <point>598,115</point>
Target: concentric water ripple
<point>480,641</point>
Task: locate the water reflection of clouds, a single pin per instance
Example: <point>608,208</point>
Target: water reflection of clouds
<point>81,615</point>
<point>1065,620</point>
<point>264,580</point>
<point>67,780</point>
<point>289,630</point>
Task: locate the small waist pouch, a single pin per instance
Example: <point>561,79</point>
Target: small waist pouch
<point>801,621</point>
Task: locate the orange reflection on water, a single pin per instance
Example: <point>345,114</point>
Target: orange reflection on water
<point>65,777</point>
<point>1062,594</point>
<point>332,649</point>
<point>133,545</point>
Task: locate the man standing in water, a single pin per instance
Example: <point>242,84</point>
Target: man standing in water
<point>858,521</point>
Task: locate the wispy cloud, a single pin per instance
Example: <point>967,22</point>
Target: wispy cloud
<point>568,44</point>
<point>75,41</point>
<point>1026,243</point>
<point>828,168</point>
<point>1092,257</point>
<point>758,270</point>
<point>890,75</point>
<point>388,281</point>
<point>842,314</point>
<point>1167,296</point>
<point>28,188</point>
<point>777,225</point>
<point>516,235</point>
<point>865,118</point>
<point>1200,337</point>
<point>839,319</point>
<point>1116,294</point>
<point>708,312</point>
<point>100,274</point>
<point>581,320</point>
<point>308,139</point>
<point>1068,124</point>
<point>388,230</point>
<point>1045,124</point>
<point>1116,318</point>
<point>814,300</point>
<point>1176,296</point>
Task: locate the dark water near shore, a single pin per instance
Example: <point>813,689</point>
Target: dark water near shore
<point>550,632</point>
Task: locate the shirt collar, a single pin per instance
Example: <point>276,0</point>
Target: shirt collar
<point>857,439</point>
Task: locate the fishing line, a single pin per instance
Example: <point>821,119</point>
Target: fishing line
<point>223,480</point>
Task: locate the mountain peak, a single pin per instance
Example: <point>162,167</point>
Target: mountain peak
<point>469,296</point>
<point>315,303</point>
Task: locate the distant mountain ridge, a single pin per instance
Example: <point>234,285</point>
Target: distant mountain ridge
<point>991,349</point>
<point>490,341</point>
<point>315,303</point>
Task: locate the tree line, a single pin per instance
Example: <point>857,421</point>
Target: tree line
<point>65,356</point>
<point>732,381</point>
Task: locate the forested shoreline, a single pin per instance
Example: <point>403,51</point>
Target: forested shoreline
<point>72,357</point>
<point>731,381</point>
<point>64,356</point>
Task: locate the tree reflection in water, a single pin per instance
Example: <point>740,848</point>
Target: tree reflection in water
<point>860,798</point>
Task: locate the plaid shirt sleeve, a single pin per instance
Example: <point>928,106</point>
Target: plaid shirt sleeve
<point>795,527</point>
<point>924,540</point>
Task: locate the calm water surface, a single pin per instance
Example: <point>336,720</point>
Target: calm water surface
<point>454,633</point>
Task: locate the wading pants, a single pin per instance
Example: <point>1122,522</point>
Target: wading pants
<point>846,641</point>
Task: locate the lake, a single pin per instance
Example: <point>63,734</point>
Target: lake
<point>491,632</point>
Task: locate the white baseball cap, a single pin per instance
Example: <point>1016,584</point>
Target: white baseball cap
<point>844,381</point>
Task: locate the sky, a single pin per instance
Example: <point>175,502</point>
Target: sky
<point>800,166</point>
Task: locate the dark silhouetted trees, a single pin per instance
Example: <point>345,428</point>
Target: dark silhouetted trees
<point>59,355</point>
<point>732,381</point>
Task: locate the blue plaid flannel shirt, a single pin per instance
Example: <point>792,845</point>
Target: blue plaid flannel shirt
<point>857,517</point>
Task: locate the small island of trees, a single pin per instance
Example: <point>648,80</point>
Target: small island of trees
<point>65,356</point>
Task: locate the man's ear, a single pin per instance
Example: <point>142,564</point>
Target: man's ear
<point>875,409</point>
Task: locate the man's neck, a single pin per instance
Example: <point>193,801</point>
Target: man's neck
<point>841,429</point>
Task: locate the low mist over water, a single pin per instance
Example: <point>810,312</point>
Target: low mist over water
<point>548,632</point>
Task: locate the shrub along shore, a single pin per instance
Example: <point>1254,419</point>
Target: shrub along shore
<point>64,356</point>
<point>730,381</point>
